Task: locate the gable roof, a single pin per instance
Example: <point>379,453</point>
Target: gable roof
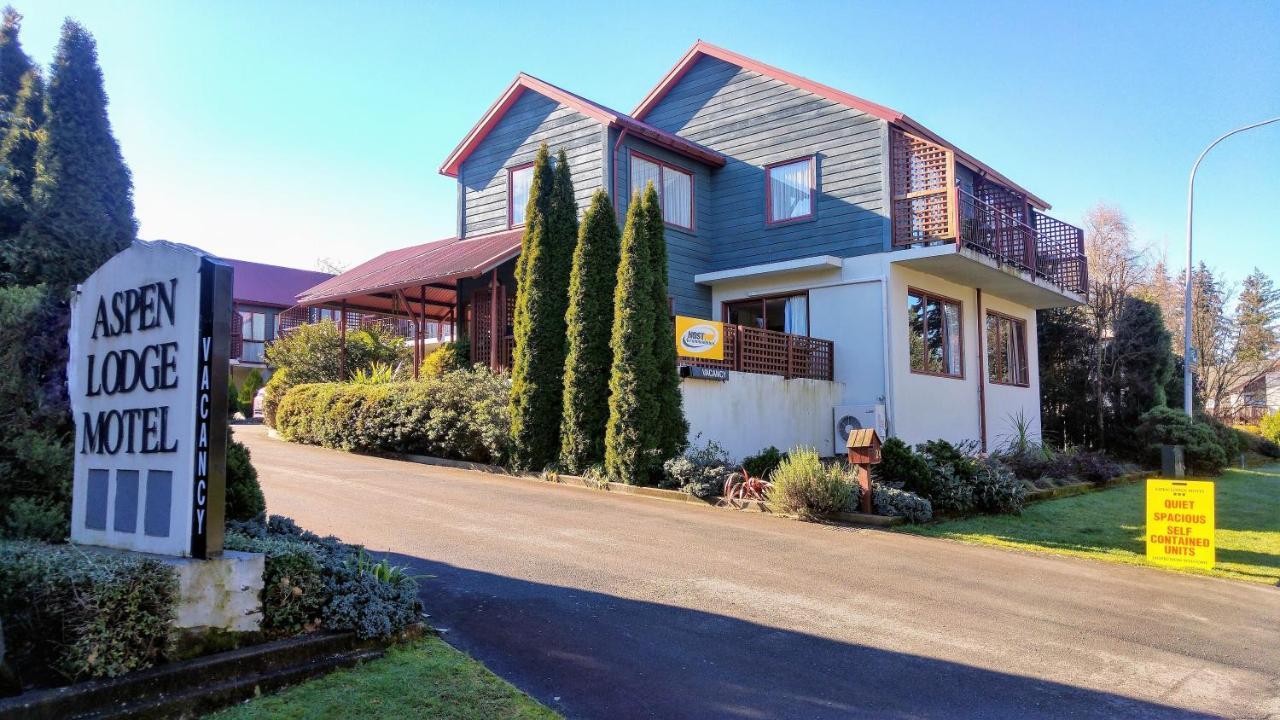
<point>261,284</point>
<point>593,110</point>
<point>704,49</point>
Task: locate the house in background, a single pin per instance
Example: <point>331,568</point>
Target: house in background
<point>261,295</point>
<point>869,272</point>
<point>1257,394</point>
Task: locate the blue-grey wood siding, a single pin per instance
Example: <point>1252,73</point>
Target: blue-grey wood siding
<point>754,121</point>
<point>688,253</point>
<point>530,121</point>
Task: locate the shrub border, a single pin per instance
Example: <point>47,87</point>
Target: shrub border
<point>1081,488</point>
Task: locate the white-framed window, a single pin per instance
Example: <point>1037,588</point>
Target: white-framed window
<point>253,336</point>
<point>1007,350</point>
<point>519,180</point>
<point>674,186</point>
<point>790,190</point>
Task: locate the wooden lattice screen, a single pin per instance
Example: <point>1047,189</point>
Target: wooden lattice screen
<point>481,329</point>
<point>1060,253</point>
<point>768,352</point>
<point>922,178</point>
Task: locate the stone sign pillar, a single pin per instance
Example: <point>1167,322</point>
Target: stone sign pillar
<point>147,375</point>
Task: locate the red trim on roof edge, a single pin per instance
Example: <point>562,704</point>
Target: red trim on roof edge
<point>887,114</point>
<point>595,111</point>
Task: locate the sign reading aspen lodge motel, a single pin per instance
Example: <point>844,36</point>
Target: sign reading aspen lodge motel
<point>147,377</point>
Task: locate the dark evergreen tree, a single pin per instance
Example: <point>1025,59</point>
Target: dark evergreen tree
<point>671,428</point>
<point>82,199</point>
<point>1258,318</point>
<point>590,325</point>
<point>630,431</point>
<point>1142,362</point>
<point>14,62</point>
<point>537,370</point>
<point>1067,400</point>
<point>18,147</point>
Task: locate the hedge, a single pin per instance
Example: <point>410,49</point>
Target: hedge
<point>82,614</point>
<point>461,415</point>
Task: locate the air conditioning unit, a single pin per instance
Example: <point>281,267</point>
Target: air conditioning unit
<point>854,417</point>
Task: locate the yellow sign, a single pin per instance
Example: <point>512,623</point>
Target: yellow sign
<point>699,338</point>
<point>1180,523</point>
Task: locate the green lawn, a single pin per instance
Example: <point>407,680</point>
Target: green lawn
<point>425,678</point>
<point>1108,525</point>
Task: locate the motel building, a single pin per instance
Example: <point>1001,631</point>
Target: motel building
<point>868,272</point>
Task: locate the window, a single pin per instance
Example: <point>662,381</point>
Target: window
<point>790,190</point>
<point>674,186</point>
<point>1006,350</point>
<point>933,327</point>
<point>782,313</point>
<point>519,180</point>
<point>253,336</point>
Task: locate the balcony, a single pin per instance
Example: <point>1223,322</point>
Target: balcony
<point>768,352</point>
<point>990,220</point>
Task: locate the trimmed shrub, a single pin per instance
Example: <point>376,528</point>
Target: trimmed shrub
<point>277,386</point>
<point>84,614</point>
<point>900,466</point>
<point>1269,427</point>
<point>244,494</point>
<point>313,582</point>
<point>1255,443</point>
<point>312,353</point>
<point>900,503</point>
<point>37,519</point>
<point>1088,465</point>
<point>233,399</point>
<point>252,384</point>
<point>1203,452</point>
<point>700,471</point>
<point>448,357</point>
<point>763,463</point>
<point>996,489</point>
<point>803,486</point>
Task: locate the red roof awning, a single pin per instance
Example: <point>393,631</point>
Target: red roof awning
<point>424,275</point>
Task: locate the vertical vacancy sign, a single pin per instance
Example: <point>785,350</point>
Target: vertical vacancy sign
<point>150,333</point>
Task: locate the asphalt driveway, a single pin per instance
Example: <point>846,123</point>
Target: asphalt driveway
<point>607,606</point>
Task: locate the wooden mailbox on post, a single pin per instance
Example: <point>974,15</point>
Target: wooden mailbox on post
<point>864,451</point>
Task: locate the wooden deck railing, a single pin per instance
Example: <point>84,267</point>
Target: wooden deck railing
<point>1051,249</point>
<point>768,352</point>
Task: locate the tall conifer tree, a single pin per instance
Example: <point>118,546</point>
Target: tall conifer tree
<point>14,62</point>
<point>671,428</point>
<point>629,433</point>
<point>590,325</point>
<point>18,147</point>
<point>537,372</point>
<point>1258,317</point>
<point>82,199</point>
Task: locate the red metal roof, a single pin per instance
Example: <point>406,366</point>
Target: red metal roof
<point>272,285</point>
<point>440,262</point>
<point>888,114</point>
<point>594,110</point>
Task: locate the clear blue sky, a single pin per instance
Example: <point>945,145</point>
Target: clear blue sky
<point>286,132</point>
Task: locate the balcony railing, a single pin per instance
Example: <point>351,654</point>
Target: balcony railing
<point>768,352</point>
<point>1050,249</point>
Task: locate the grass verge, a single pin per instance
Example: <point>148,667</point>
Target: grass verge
<point>425,678</point>
<point>1109,525</point>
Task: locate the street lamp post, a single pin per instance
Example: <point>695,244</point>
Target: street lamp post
<point>1187,390</point>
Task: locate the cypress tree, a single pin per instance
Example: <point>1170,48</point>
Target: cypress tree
<point>14,62</point>
<point>1258,318</point>
<point>18,147</point>
<point>82,200</point>
<point>537,372</point>
<point>1141,353</point>
<point>671,428</point>
<point>630,431</point>
<point>590,325</point>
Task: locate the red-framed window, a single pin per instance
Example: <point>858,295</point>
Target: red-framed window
<point>791,190</point>
<point>1007,350</point>
<point>519,180</point>
<point>934,336</point>
<point>674,185</point>
<point>787,313</point>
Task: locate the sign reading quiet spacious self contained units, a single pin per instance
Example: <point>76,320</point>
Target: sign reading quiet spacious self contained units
<point>147,377</point>
<point>1180,523</point>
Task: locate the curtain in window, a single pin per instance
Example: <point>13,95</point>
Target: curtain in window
<point>677,198</point>
<point>644,172</point>
<point>521,181</point>
<point>797,315</point>
<point>789,191</point>
<point>952,312</point>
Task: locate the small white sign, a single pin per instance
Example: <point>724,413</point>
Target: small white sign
<point>147,377</point>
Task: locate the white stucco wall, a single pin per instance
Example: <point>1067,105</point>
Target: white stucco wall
<point>1004,402</point>
<point>750,412</point>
